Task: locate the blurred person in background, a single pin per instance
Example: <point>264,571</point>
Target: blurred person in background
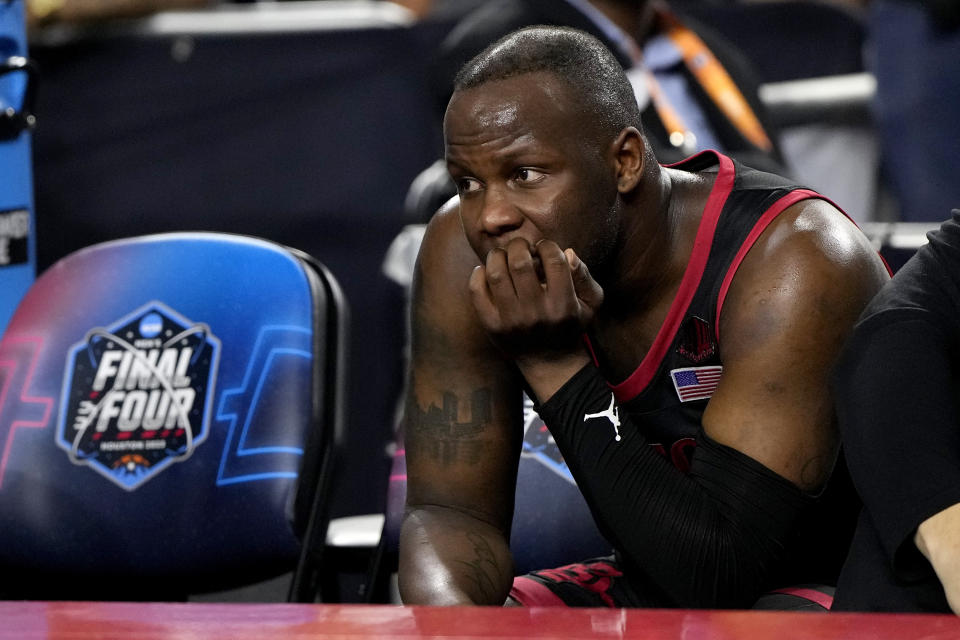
<point>695,90</point>
<point>913,50</point>
<point>915,56</point>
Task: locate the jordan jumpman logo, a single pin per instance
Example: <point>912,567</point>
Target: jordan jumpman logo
<point>612,414</point>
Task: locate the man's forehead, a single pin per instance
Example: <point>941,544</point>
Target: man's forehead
<point>501,102</point>
<point>487,113</point>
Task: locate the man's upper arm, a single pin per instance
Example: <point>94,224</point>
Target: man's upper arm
<point>462,422</point>
<point>792,304</point>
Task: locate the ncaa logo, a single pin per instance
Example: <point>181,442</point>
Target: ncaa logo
<point>137,395</point>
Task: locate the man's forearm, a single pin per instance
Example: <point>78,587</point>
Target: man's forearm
<point>938,539</point>
<point>449,558</point>
<point>545,376</point>
<point>710,538</point>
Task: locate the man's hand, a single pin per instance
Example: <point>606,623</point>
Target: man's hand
<point>938,539</point>
<point>535,303</point>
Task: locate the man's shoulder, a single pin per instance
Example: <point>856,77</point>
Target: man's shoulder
<point>444,231</point>
<point>445,256</point>
<point>815,231</point>
<point>810,260</point>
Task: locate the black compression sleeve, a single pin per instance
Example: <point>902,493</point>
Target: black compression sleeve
<point>707,539</point>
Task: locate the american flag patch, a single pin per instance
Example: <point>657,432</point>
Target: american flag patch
<point>696,383</point>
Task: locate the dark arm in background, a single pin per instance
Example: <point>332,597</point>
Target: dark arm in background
<point>897,386</point>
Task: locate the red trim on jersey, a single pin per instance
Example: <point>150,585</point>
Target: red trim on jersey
<point>643,374</point>
<point>593,354</point>
<point>531,593</point>
<point>825,600</point>
<point>768,216</point>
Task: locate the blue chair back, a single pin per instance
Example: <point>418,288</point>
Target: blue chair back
<point>17,89</point>
<point>169,409</point>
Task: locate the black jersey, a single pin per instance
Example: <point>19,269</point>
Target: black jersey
<point>669,390</point>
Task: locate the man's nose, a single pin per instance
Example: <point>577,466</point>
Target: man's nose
<point>499,215</point>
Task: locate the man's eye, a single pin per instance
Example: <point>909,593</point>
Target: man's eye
<point>468,185</point>
<point>529,176</point>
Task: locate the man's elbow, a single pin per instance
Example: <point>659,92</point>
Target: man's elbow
<point>449,559</point>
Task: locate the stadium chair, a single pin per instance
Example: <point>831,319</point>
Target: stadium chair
<point>170,410</point>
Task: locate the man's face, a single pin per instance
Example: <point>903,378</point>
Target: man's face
<point>526,164</point>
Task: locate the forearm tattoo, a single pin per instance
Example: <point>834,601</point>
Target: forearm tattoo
<point>482,571</point>
<point>441,436</point>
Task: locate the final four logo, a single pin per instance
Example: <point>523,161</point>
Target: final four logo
<point>137,394</point>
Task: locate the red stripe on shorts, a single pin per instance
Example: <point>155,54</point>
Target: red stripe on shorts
<point>822,599</point>
<point>531,593</point>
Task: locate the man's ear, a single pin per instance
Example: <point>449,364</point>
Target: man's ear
<point>629,151</point>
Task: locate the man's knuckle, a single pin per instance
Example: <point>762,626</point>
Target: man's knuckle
<point>521,263</point>
<point>555,260</point>
<point>496,276</point>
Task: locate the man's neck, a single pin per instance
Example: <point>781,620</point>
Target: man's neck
<point>646,253</point>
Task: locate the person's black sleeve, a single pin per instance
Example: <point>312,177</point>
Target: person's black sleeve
<point>708,539</point>
<point>896,390</point>
<point>897,411</point>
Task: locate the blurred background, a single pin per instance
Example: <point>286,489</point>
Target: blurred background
<point>307,123</point>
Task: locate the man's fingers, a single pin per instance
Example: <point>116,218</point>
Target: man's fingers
<point>523,270</point>
<point>498,278</point>
<point>482,299</point>
<point>553,262</point>
<point>589,292</point>
<point>521,287</point>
